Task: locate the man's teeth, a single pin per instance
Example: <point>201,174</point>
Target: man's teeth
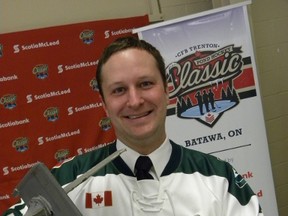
<point>137,116</point>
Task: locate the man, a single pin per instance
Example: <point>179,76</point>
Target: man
<point>181,181</point>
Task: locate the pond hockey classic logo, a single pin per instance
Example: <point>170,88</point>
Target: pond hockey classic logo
<point>202,85</point>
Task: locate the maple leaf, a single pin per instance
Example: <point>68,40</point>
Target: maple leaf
<point>98,200</point>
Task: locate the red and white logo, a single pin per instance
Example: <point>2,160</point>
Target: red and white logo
<point>206,84</point>
<point>98,199</point>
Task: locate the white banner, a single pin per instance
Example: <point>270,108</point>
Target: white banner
<point>215,104</point>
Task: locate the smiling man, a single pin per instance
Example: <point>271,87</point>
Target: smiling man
<point>154,176</point>
<point>135,98</point>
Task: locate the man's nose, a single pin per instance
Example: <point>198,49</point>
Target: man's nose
<point>134,98</point>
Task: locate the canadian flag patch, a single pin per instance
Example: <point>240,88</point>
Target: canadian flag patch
<point>98,199</point>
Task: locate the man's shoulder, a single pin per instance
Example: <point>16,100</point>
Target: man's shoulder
<point>188,152</point>
<point>70,168</point>
<point>195,161</point>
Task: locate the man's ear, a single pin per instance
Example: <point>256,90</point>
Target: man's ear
<point>104,105</point>
<point>167,95</point>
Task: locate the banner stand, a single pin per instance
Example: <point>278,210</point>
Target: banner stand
<point>215,103</point>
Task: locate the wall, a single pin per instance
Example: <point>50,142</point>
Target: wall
<point>172,9</point>
<point>270,25</point>
<point>269,22</point>
<point>17,15</point>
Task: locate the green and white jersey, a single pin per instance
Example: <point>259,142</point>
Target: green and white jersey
<point>192,184</point>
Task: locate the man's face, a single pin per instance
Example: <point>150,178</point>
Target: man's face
<point>135,98</point>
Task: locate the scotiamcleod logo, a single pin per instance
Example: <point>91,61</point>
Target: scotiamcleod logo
<point>21,144</point>
<point>51,114</point>
<point>87,36</point>
<point>38,45</point>
<point>5,170</point>
<point>9,101</point>
<point>40,71</point>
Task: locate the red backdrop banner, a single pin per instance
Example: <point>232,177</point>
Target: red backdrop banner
<point>50,107</point>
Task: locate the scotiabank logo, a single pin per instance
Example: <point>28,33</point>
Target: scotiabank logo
<point>202,85</point>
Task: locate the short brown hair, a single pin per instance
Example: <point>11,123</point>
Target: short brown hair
<point>124,43</point>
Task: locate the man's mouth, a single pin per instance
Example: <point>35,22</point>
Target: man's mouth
<point>138,116</point>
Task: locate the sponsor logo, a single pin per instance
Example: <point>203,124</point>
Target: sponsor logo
<point>7,170</point>
<point>105,124</point>
<point>26,47</point>
<point>62,68</point>
<point>87,36</point>
<point>81,151</point>
<point>1,50</point>
<point>4,197</point>
<point>51,114</point>
<point>42,140</point>
<point>21,144</point>
<point>40,71</point>
<point>248,175</point>
<point>94,85</point>
<point>109,33</point>
<point>61,155</point>
<point>201,85</point>
<point>14,123</point>
<point>8,78</point>
<point>9,101</point>
<point>260,193</point>
<point>72,110</point>
<point>46,95</point>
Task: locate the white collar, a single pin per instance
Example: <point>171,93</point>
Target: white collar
<point>159,157</point>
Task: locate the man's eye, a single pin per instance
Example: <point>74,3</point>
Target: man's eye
<point>146,84</point>
<point>118,91</point>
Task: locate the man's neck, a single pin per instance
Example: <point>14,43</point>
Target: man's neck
<point>143,147</point>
